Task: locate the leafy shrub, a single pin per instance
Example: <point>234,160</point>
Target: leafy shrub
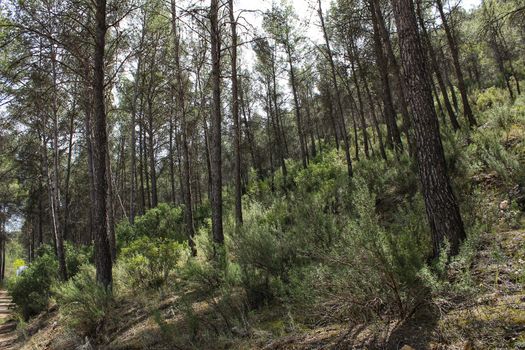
<point>83,302</point>
<point>216,279</point>
<point>372,270</point>
<point>150,261</point>
<point>264,251</point>
<point>31,290</point>
<point>163,221</point>
<point>491,97</point>
<point>487,154</point>
<point>76,256</point>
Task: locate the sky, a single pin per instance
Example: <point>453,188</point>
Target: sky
<point>306,11</point>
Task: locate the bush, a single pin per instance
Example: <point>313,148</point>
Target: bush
<point>491,97</point>
<point>31,290</point>
<point>83,302</point>
<point>487,154</point>
<point>372,270</point>
<point>163,222</point>
<point>264,251</point>
<point>76,256</point>
<point>149,262</point>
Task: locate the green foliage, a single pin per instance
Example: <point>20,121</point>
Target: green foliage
<point>76,256</point>
<point>149,261</point>
<point>14,251</point>
<point>371,270</point>
<point>32,289</point>
<point>164,222</point>
<point>214,278</point>
<point>487,155</point>
<point>84,303</point>
<point>264,251</point>
<point>490,98</point>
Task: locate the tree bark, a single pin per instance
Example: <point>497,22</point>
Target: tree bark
<point>435,66</point>
<point>441,205</point>
<point>235,117</point>
<point>188,206</point>
<point>102,247</point>
<point>393,136</point>
<point>216,149</point>
<point>338,96</point>
<point>457,66</point>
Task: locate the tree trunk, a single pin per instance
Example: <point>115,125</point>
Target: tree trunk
<point>55,185</point>
<point>235,117</point>
<point>338,96</point>
<point>68,174</point>
<point>216,162</point>
<point>393,136</point>
<point>457,66</point>
<point>372,109</point>
<point>188,206</point>
<point>102,247</point>
<point>435,66</point>
<point>396,73</point>
<point>441,205</point>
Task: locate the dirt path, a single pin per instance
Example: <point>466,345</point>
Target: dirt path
<point>8,335</point>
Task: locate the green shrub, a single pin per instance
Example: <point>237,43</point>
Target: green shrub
<point>264,251</point>
<point>149,262</point>
<point>491,97</point>
<point>161,222</point>
<point>212,277</point>
<point>372,270</point>
<point>83,302</point>
<point>487,154</point>
<point>76,256</point>
<point>31,290</point>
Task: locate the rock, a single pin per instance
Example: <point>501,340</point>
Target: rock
<point>407,347</point>
<point>86,346</point>
<point>504,205</point>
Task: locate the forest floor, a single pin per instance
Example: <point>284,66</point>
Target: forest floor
<point>493,319</point>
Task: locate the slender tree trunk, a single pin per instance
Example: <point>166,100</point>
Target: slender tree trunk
<point>457,66</point>
<point>67,200</point>
<point>110,208</point>
<point>133,185</point>
<point>188,206</point>
<point>399,89</point>
<point>152,161</point>
<point>442,208</point>
<point>435,66</point>
<point>279,132</point>
<point>145,155</point>
<point>141,169</point>
<point>102,247</point>
<point>216,162</point>
<point>360,104</point>
<point>249,135</point>
<point>372,109</point>
<point>336,88</point>
<point>393,136</point>
<point>293,83</point>
<point>235,117</point>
